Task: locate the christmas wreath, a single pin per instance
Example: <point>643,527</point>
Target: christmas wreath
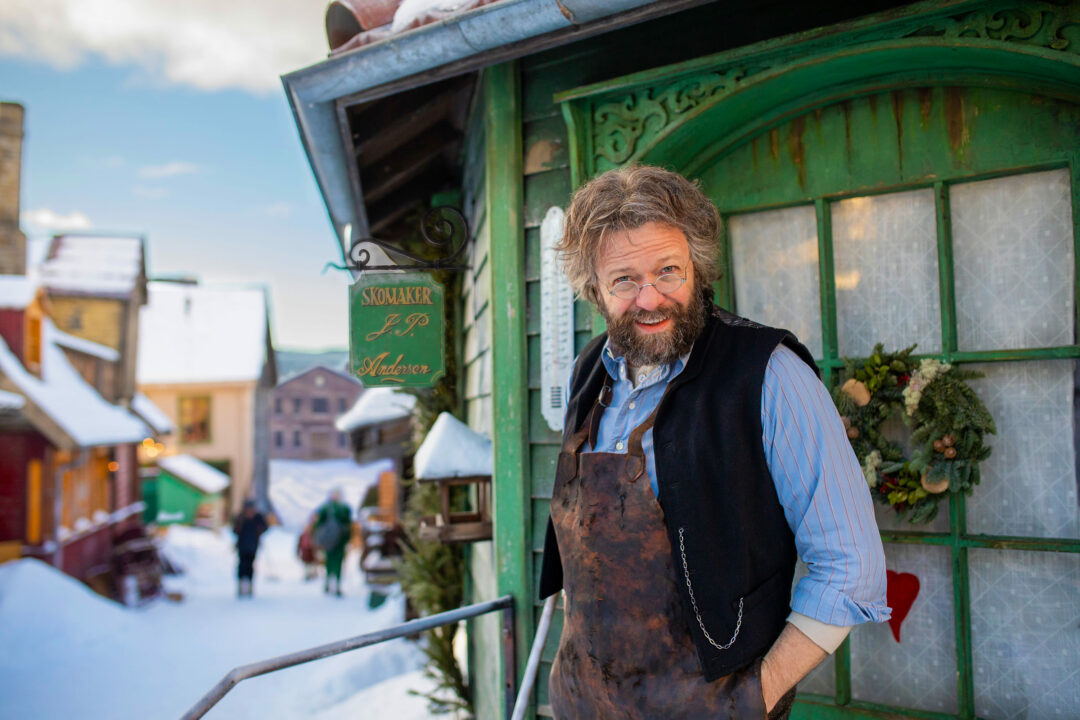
<point>947,421</point>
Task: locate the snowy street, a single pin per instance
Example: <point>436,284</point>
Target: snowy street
<point>68,653</point>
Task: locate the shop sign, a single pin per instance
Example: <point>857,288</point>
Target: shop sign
<point>396,330</point>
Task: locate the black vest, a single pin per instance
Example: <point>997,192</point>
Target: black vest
<point>714,486</point>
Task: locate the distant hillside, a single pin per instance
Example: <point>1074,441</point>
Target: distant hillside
<point>294,362</point>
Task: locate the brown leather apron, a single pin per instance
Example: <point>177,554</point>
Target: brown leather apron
<point>626,650</point>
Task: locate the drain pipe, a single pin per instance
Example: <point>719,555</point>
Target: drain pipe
<point>58,502</point>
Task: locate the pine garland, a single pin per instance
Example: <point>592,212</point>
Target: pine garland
<point>947,419</point>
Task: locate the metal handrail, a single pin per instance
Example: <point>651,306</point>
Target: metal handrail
<point>413,627</point>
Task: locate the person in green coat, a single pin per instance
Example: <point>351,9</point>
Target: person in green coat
<point>333,528</point>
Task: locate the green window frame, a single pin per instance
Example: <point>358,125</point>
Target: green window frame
<point>957,538</point>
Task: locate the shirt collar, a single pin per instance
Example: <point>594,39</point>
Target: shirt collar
<point>616,367</point>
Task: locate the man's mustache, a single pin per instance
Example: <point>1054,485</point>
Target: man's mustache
<point>650,316</point>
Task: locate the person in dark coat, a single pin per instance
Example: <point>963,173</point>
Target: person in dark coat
<point>248,527</point>
<point>333,528</point>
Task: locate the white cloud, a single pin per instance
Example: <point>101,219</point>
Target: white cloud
<point>149,193</point>
<point>46,220</point>
<point>206,44</point>
<point>168,170</point>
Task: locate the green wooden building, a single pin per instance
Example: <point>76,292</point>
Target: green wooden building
<point>885,172</point>
<point>185,491</point>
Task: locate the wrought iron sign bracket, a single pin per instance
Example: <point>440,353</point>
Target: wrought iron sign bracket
<point>443,228</point>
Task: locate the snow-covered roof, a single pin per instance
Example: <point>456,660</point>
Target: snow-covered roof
<point>145,408</point>
<point>189,333</point>
<point>16,291</point>
<point>83,345</point>
<point>11,401</point>
<point>93,265</point>
<point>195,472</point>
<point>333,371</point>
<point>377,405</point>
<point>453,449</point>
<point>68,400</point>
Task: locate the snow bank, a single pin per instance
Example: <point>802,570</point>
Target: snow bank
<point>299,487</point>
<point>65,653</point>
<point>41,605</point>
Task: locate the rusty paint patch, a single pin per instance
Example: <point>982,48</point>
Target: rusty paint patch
<point>567,13</point>
<point>541,156</point>
<point>955,121</point>
<point>926,103</point>
<point>797,148</point>
<point>774,144</point>
<point>897,97</point>
<point>873,105</point>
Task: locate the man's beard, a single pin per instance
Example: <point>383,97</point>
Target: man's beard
<point>656,348</point>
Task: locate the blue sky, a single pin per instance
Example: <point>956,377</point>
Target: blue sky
<point>204,161</point>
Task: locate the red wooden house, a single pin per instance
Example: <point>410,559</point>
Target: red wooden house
<point>68,478</point>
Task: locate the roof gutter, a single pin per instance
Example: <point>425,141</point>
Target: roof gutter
<point>483,36</point>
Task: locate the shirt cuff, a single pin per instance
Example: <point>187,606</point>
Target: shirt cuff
<point>825,636</point>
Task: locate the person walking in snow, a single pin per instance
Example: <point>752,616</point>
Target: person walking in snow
<point>333,528</point>
<point>248,527</point>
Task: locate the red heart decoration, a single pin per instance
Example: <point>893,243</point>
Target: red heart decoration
<point>901,591</point>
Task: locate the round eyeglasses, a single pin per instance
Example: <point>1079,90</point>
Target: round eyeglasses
<point>664,284</point>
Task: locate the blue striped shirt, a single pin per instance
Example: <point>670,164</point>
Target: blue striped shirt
<point>818,480</point>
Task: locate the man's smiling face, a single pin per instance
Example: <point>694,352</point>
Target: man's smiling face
<point>651,328</point>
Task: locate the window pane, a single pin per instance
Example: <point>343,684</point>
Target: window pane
<point>1024,619</point>
<point>775,259</point>
<point>1013,253</point>
<point>885,258</point>
<point>919,671</point>
<point>1029,482</point>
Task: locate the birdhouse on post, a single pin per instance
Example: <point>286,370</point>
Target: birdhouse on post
<point>454,456</point>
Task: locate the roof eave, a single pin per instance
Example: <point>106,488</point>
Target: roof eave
<point>489,34</point>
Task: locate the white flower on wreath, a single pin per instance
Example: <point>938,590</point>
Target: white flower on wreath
<point>928,370</point>
<point>870,467</point>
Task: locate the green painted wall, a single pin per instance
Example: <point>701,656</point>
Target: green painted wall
<point>171,496</point>
<point>548,173</point>
<point>483,632</point>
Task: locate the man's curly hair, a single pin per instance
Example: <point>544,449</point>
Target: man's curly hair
<point>625,199</point>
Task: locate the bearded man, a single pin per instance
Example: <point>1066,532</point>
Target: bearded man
<point>701,454</point>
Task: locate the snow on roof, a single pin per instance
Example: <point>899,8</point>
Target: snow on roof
<point>334,371</point>
<point>16,291</point>
<point>72,403</point>
<point>453,449</point>
<point>377,405</point>
<point>11,401</point>
<point>83,345</point>
<point>145,408</point>
<point>94,265</point>
<point>195,472</point>
<point>190,333</point>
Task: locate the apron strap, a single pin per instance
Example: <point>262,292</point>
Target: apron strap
<point>589,428</point>
<point>635,456</point>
